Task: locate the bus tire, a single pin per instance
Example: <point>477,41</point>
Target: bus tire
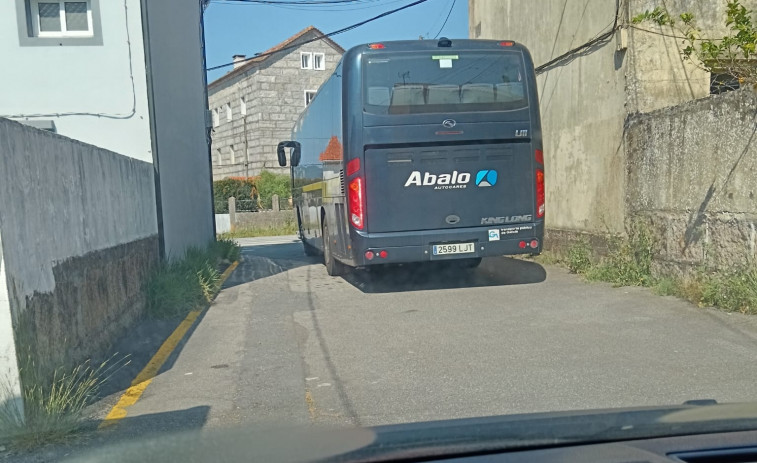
<point>333,267</point>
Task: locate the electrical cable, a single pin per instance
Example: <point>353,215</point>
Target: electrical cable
<point>570,53</point>
<point>298,44</point>
<point>446,19</point>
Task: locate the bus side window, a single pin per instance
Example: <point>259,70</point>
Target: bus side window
<point>510,91</point>
<point>378,96</point>
<point>477,93</point>
<point>443,94</point>
<point>404,95</point>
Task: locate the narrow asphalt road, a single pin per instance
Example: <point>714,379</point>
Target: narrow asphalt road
<point>284,344</point>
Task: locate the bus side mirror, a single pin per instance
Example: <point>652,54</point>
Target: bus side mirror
<point>282,154</point>
<point>296,154</point>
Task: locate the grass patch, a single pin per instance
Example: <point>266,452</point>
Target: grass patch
<point>578,258</point>
<point>177,287</point>
<point>629,263</point>
<point>54,401</point>
<point>289,228</point>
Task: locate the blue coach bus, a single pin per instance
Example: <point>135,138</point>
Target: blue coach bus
<point>421,151</point>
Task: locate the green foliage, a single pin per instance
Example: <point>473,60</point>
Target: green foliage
<point>579,257</point>
<point>732,54</point>
<point>54,399</point>
<point>734,291</point>
<point>227,249</point>
<point>288,228</point>
<point>269,184</point>
<point>242,189</point>
<point>630,260</point>
<point>177,287</point>
<point>658,16</point>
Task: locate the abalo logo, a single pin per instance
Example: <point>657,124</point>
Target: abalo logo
<point>439,181</point>
<point>486,178</point>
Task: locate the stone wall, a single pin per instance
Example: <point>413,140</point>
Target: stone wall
<point>264,219</point>
<point>692,178</point>
<point>79,235</point>
<point>274,94</point>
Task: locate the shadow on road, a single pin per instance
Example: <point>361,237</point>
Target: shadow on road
<point>494,271</point>
<point>262,261</point>
<point>142,342</point>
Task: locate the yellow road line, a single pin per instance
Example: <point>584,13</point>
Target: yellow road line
<point>144,378</point>
<point>228,271</point>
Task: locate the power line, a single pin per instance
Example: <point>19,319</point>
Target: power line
<point>345,29</point>
<point>446,19</point>
<point>570,53</point>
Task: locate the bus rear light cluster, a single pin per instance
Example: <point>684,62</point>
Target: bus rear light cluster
<point>529,244</point>
<point>371,254</point>
<point>357,203</point>
<point>540,195</point>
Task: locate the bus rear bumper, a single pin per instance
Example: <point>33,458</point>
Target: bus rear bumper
<point>466,243</point>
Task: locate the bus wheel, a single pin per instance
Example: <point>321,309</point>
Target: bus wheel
<point>333,266</point>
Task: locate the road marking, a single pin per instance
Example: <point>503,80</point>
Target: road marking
<point>311,404</point>
<point>144,378</point>
<point>228,271</point>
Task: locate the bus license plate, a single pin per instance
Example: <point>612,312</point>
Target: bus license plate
<point>456,248</point>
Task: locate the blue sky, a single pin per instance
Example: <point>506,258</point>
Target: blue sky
<point>233,28</point>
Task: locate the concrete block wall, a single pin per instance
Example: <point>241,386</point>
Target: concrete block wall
<point>79,235</point>
<point>274,93</point>
<point>692,178</point>
<point>586,100</point>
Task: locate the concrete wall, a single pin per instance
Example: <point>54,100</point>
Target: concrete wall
<point>79,234</point>
<point>585,99</point>
<point>582,104</point>
<point>275,97</point>
<point>264,219</point>
<point>10,396</point>
<point>176,75</point>
<point>98,84</point>
<point>692,173</point>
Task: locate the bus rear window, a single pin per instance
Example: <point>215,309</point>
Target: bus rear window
<point>413,83</point>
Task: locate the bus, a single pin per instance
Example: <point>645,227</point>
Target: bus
<point>424,150</point>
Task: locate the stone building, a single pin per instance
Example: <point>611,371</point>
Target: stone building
<point>255,105</point>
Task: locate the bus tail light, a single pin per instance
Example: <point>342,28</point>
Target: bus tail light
<point>353,166</point>
<point>376,46</point>
<point>356,199</point>
<point>540,196</point>
<point>506,43</point>
<point>539,155</point>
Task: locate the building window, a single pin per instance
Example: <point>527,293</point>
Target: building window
<point>216,118</point>
<point>309,95</point>
<point>61,18</point>
<point>306,60</point>
<point>219,159</point>
<point>243,106</point>
<point>228,112</point>
<point>319,61</point>
<point>232,156</point>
